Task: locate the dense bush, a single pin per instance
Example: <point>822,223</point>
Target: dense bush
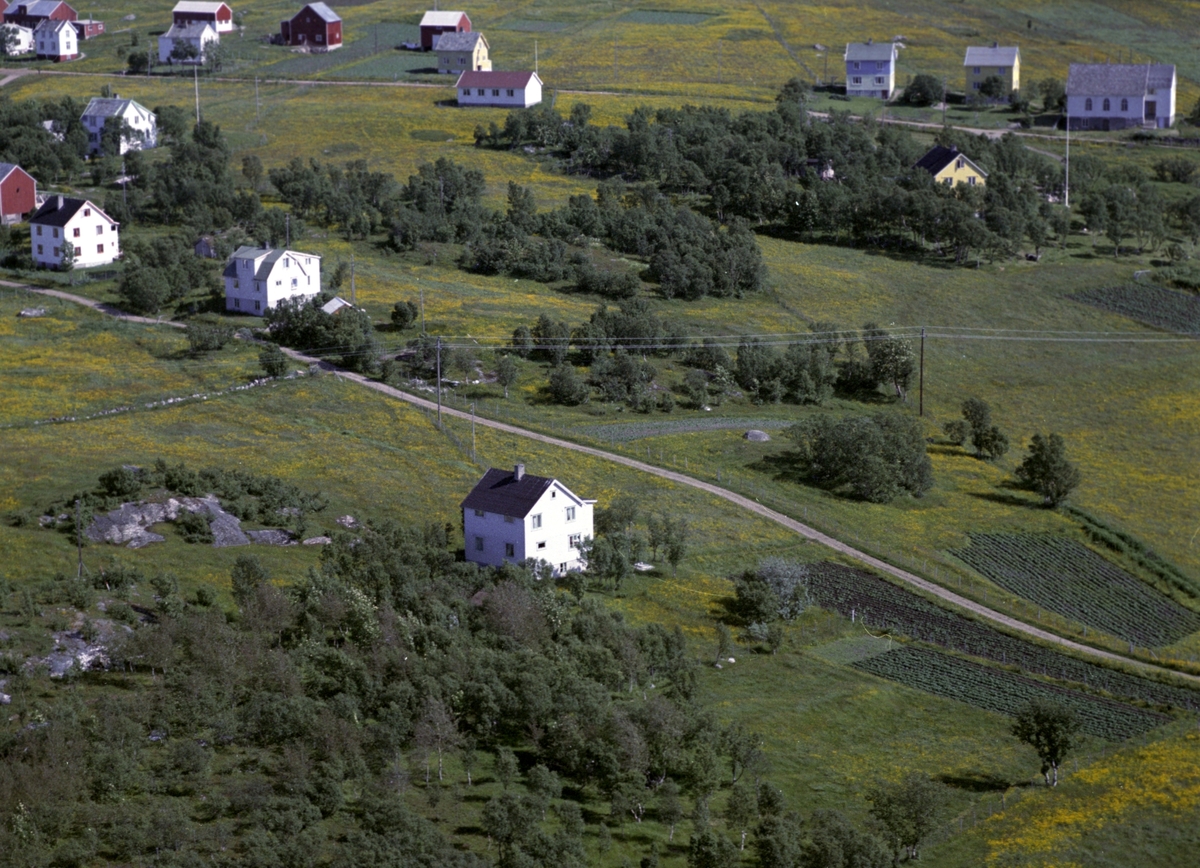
<point>347,336</point>
<point>876,458</point>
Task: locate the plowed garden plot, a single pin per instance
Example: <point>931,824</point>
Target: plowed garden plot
<point>1149,304</point>
<point>882,605</point>
<point>1005,692</point>
<point>1065,577</point>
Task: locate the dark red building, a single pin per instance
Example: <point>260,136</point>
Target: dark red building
<point>316,25</point>
<point>436,23</point>
<point>32,14</point>
<point>18,192</point>
<point>88,28</point>
<point>219,15</point>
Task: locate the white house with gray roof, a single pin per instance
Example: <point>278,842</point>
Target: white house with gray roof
<point>197,36</point>
<point>257,278</point>
<point>1117,96</point>
<point>142,125</point>
<point>510,516</point>
<point>56,40</point>
<point>871,69</point>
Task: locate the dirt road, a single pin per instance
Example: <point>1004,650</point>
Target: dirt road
<point>944,594</point>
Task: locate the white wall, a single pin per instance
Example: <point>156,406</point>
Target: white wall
<point>95,231</point>
<point>63,43</point>
<point>553,536</point>
<point>521,97</point>
<point>248,294</point>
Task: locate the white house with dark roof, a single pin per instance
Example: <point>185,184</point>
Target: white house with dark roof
<point>56,40</point>
<point>199,35</point>
<point>20,39</point>
<point>257,278</point>
<point>459,52</point>
<point>510,516</point>
<point>500,89</point>
<point>63,223</point>
<point>1117,96</point>
<point>871,69</point>
<point>142,123</point>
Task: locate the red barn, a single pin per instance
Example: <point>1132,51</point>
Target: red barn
<point>436,23</point>
<point>3,8</point>
<point>316,25</point>
<point>18,192</point>
<point>219,15</point>
<point>32,14</point>
<point>88,28</point>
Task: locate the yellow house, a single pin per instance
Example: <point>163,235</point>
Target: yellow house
<point>951,168</point>
<point>462,52</point>
<point>1000,61</point>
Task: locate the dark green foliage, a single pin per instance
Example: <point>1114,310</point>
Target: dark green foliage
<point>710,849</point>
<point>567,387</point>
<point>908,809</point>
<point>348,336</point>
<point>23,139</point>
<point>203,338</point>
<point>835,843</point>
<point>274,362</point>
<point>162,270</point>
<point>994,88</point>
<point>875,458</point>
<point>194,527</point>
<point>506,372</point>
<point>892,360</point>
<point>1051,729</point>
<point>1179,170</point>
<point>1054,95</point>
<point>776,589</point>
<point>989,441</point>
<point>923,90</point>
<point>405,314</point>
<point>1047,471</point>
<point>246,577</point>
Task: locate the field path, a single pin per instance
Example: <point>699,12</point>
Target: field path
<point>782,41</point>
<point>751,505</point>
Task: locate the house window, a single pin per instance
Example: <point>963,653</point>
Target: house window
<point>78,251</point>
<point>76,231</point>
<point>508,519</point>
<point>99,248</point>
<point>947,181</point>
<point>1087,104</point>
<point>237,302</point>
<point>510,551</point>
<point>879,64</point>
<point>495,91</point>
<point>479,513</point>
<point>87,212</point>
<point>478,543</point>
<point>295,283</point>
<point>541,545</point>
<point>257,304</point>
<point>574,540</point>
<point>1000,70</point>
<point>1124,105</point>
<point>975,85</point>
<point>54,232</point>
<point>879,79</point>
<point>39,230</point>
<point>511,92</point>
<point>39,250</point>
<point>856,80</point>
<point>466,91</point>
<point>1107,104</point>
<point>100,230</point>
<point>57,251</point>
<point>236,284</point>
<point>479,91</point>
<point>971,181</point>
<point>856,65</point>
<point>570,513</point>
<point>959,163</point>
<point>536,521</point>
<point>975,70</point>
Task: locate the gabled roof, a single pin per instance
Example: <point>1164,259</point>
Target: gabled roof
<point>195,30</point>
<point>58,211</point>
<point>335,305</point>
<point>41,7</point>
<point>199,6</point>
<point>458,41</point>
<point>1118,79</point>
<point>268,256</point>
<point>322,11</point>
<point>870,51</point>
<point>442,19</point>
<point>52,25</point>
<point>7,169</point>
<point>995,55</point>
<point>501,492</point>
<point>479,78</point>
<point>112,107</point>
<point>939,157</point>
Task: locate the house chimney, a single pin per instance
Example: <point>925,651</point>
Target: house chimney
<point>58,203</point>
<point>871,40</point>
<point>519,472</point>
<point>995,45</point>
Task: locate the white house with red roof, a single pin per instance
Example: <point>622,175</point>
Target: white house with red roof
<point>63,224</point>
<point>219,15</point>
<point>510,516</point>
<point>500,89</point>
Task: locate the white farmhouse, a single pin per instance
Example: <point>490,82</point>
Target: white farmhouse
<point>257,278</point>
<point>511,516</point>
<point>143,125</point>
<point>1116,96</point>
<point>56,40</point>
<point>63,224</point>
<point>198,35</point>
<point>502,89</point>
<point>20,39</point>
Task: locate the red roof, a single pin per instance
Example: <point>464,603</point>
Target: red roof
<point>479,78</point>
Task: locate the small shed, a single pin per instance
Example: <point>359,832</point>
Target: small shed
<point>206,247</point>
<point>436,23</point>
<point>499,89</point>
<point>316,26</point>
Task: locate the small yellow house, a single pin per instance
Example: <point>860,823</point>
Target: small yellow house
<point>951,168</point>
<point>462,52</point>
<point>998,60</point>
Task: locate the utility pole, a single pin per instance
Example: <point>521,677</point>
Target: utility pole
<point>943,100</point>
<point>718,61</point>
<point>921,386</point>
<point>196,84</point>
<point>439,382</point>
<point>287,230</point>
<point>535,60</point>
<point>422,310</point>
<point>472,432</point>
<point>1067,176</point>
<point>353,292</point>
<point>79,536</point>
<point>257,103</point>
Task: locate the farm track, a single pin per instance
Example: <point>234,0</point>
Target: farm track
<point>944,594</point>
<point>993,133</point>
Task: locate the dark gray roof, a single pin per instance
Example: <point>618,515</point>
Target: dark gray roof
<point>269,256</point>
<point>870,50</point>
<point>1118,79</point>
<point>42,7</point>
<point>52,25</point>
<point>195,30</point>
<point>939,157</point>
<point>457,41</point>
<point>109,107</point>
<point>501,492</point>
<point>323,11</point>
<point>994,55</point>
<point>58,211</point>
